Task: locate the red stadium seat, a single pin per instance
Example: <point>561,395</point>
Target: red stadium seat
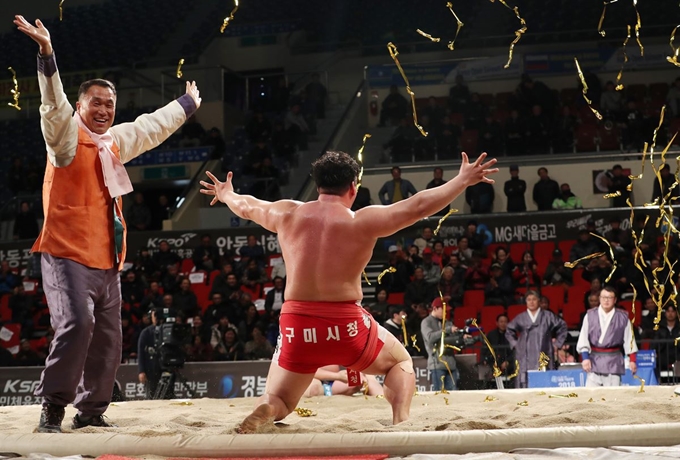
<point>543,253</point>
<point>5,312</point>
<point>575,294</point>
<point>571,314</point>
<point>517,251</point>
<point>396,298</point>
<point>585,137</point>
<point>628,306</point>
<point>474,298</point>
<point>460,314</point>
<point>488,317</point>
<point>514,310</point>
<point>468,142</point>
<point>565,247</point>
<point>609,139</point>
<point>187,266</point>
<point>556,296</point>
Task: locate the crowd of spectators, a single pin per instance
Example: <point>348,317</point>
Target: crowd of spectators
<point>532,120</point>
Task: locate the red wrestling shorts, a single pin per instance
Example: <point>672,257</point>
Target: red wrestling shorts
<point>317,334</point>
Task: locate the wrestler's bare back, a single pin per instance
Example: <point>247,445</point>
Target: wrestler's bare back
<point>325,246</point>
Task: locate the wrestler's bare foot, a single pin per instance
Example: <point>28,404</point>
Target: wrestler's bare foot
<point>264,413</point>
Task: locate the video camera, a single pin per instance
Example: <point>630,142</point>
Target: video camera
<point>170,339</point>
<point>458,339</point>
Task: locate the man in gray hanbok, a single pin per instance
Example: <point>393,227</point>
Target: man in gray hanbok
<point>606,335</point>
<point>530,333</point>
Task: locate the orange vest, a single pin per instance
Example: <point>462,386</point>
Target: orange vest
<point>78,210</point>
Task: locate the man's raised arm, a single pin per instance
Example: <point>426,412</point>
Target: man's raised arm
<point>264,213</point>
<point>381,221</point>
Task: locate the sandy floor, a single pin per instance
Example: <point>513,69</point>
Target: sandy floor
<point>466,410</point>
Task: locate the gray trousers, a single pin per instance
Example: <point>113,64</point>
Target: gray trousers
<point>84,305</point>
<point>602,380</point>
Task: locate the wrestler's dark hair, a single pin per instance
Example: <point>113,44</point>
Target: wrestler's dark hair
<point>86,85</point>
<point>334,173</point>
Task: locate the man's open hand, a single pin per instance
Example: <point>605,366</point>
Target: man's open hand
<point>38,33</point>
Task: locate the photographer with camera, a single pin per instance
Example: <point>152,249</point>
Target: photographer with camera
<point>431,329</point>
<point>147,358</point>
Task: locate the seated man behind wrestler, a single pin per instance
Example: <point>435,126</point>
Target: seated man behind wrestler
<point>321,321</point>
<point>339,385</point>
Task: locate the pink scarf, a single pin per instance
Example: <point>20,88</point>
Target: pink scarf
<point>116,178</point>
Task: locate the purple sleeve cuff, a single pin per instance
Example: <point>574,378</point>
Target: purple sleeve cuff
<point>585,355</point>
<point>188,104</point>
<point>47,65</point>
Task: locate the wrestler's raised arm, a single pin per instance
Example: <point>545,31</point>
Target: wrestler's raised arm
<point>381,221</point>
<point>265,213</point>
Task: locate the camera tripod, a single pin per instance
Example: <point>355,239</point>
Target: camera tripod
<point>166,384</point>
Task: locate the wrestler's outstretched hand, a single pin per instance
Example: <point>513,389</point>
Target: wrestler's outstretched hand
<point>473,173</point>
<point>38,33</point>
<point>192,90</point>
<point>218,189</point>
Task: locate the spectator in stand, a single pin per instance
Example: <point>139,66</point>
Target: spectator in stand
<point>439,257</point>
<point>206,255</point>
<point>418,290</point>
<point>185,300</point>
<point>22,307</point>
<point>317,93</point>
<point>567,200</point>
<point>220,281</point>
<point>160,213</point>
<point>218,330</point>
<point>139,214</point>
<point>378,309</point>
<point>396,189</point>
<point>667,180</point>
<point>673,98</point>
<point>25,223</point>
<point>398,280</point>
<point>28,357</point>
<point>199,350</point>
<point>459,96</point>
<point>147,362</point>
<point>259,128</point>
<point>459,270</point>
<point>504,355</point>
<point>431,329</point>
<point>594,291</point>
<point>431,271</point>
<point>584,246</point>
<point>16,176</point>
<point>230,290</point>
<point>425,239</point>
<point>248,323</point>
<point>230,348</point>
<point>219,308</point>
<point>618,183</point>
<point>297,128</point>
<point>413,256</point>
<point>132,288</point>
<point>8,280</point>
<point>402,141</point>
<point>254,276</point>
<point>259,347</point>
<point>436,181</point>
<point>463,251</point>
<point>475,239</point>
<point>611,102</point>
<point>499,290</point>
<point>491,136</point>
<point>171,280</point>
<point>6,358</point>
<point>563,137</point>
<point>477,275</point>
<point>215,140</point>
<point>393,107</point>
<point>480,198</point>
<point>450,287</point>
<point>502,258</point>
<point>514,189</point>
<point>144,266</point>
<point>525,274</point>
<point>434,112</point>
<point>619,239</point>
<point>266,186</point>
<point>397,316</point>
<point>633,127</point>
<point>192,133</point>
<point>165,257</point>
<point>253,250</point>
<point>545,190</point>
<point>599,267</point>
<point>514,134</point>
<point>275,297</point>
<point>280,96</point>
<point>447,142</point>
<point>257,154</point>
<point>669,330</point>
<point>530,93</point>
<point>363,198</point>
<point>538,132</point>
<point>152,299</point>
<point>129,337</point>
<point>530,333</point>
<point>474,112</point>
<point>556,274</point>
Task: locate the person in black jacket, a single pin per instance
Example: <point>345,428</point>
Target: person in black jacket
<point>147,358</point>
<point>25,223</point>
<point>504,354</point>
<point>545,190</point>
<point>275,298</point>
<point>515,189</point>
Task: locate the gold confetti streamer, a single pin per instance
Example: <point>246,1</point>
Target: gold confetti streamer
<point>366,277</point>
<point>638,26</point>
<point>360,159</point>
<point>496,371</point>
<point>442,345</point>
<point>364,389</point>
<point>541,393</point>
<point>600,30</point>
<point>611,254</point>
<point>415,342</point>
<point>403,329</point>
<point>229,18</point>
<point>612,195</point>
<point>426,35</point>
<point>591,400</point>
<point>443,391</point>
<point>394,53</point>
<point>446,400</point>
<point>577,261</point>
<point>543,361</point>
<point>585,90</point>
<point>441,221</point>
<point>15,92</point>
<point>379,396</point>
<point>302,412</point>
<point>642,383</point>
<point>61,10</point>
<point>182,403</point>
<point>385,272</point>
<point>603,399</point>
<point>179,68</point>
<point>490,399</point>
<point>675,342</point>
<point>632,328</point>
<point>523,403</point>
<point>570,395</point>
<point>516,373</point>
<point>518,33</point>
<point>676,51</point>
<point>619,85</point>
<point>656,131</point>
<point>459,24</point>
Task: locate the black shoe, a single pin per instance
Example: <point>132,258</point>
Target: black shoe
<point>96,420</point>
<point>50,418</point>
